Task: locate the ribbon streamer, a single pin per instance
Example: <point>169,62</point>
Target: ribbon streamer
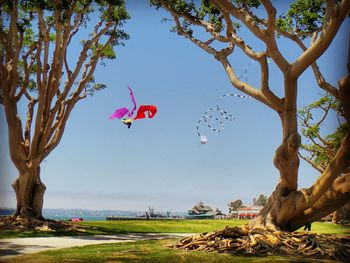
<point>225,114</point>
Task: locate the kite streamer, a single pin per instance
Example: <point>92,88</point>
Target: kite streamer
<point>226,115</point>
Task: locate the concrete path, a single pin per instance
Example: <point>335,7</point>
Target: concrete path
<point>11,247</point>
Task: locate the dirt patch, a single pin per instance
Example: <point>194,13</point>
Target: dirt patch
<point>237,240</point>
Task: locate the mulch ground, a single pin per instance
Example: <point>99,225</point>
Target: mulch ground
<point>8,223</point>
<point>242,240</point>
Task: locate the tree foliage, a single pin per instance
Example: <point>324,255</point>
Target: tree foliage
<point>260,201</point>
<point>234,205</point>
<point>320,149</point>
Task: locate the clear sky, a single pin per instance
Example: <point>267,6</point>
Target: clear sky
<point>100,164</point>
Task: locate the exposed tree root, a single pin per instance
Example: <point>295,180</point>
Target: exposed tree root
<point>29,224</point>
<point>237,240</point>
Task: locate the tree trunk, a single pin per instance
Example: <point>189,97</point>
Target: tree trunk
<point>335,216</point>
<point>29,193</point>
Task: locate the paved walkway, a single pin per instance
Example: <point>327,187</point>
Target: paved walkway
<point>11,247</point>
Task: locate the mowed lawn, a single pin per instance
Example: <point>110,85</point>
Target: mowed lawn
<point>192,226</point>
<point>163,226</point>
<point>158,250</point>
<point>146,252</point>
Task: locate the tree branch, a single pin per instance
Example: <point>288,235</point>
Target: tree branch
<point>334,198</point>
<point>26,71</point>
<point>29,119</point>
<point>317,73</point>
<point>324,40</point>
<point>265,36</point>
<point>340,162</point>
<point>53,135</point>
<point>313,164</point>
<point>271,17</point>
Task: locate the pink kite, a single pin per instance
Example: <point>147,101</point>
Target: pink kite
<point>120,113</point>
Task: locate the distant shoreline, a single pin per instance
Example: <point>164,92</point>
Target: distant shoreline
<point>86,214</point>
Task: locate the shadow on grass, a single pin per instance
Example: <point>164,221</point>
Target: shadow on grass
<point>85,231</point>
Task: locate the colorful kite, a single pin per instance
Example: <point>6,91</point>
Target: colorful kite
<point>140,114</point>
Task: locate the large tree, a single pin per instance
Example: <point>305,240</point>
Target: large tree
<point>38,68</point>
<point>288,207</point>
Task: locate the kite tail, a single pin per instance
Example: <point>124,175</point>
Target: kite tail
<point>133,101</point>
<point>119,113</point>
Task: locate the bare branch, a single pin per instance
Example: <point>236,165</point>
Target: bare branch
<point>266,96</point>
<point>340,162</point>
<point>335,197</point>
<point>318,75</point>
<point>53,135</point>
<point>313,164</point>
<point>196,41</point>
<point>271,16</point>
<point>26,71</point>
<point>29,119</point>
<point>267,37</point>
<point>41,89</point>
<point>344,89</point>
<point>245,87</point>
<point>264,85</point>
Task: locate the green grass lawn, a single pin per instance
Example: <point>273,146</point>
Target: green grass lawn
<point>156,251</point>
<point>192,226</point>
<point>144,251</point>
<point>163,226</point>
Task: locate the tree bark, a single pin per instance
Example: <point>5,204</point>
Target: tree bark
<point>29,194</point>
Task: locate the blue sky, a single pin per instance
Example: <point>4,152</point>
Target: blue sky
<point>100,164</point>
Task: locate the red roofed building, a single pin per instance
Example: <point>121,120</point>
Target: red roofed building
<point>248,212</point>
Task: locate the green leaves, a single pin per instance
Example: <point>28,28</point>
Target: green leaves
<point>234,205</point>
<point>320,149</point>
<point>304,17</point>
<point>107,52</point>
<point>311,132</point>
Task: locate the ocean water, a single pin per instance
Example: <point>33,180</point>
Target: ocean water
<point>87,215</point>
<point>86,218</point>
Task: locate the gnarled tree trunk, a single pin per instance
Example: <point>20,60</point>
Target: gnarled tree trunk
<point>29,193</point>
<point>289,208</point>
